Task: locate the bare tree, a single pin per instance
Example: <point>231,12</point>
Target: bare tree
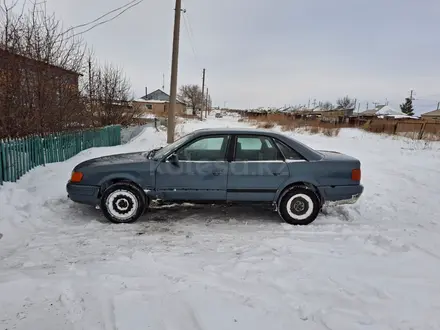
<point>327,105</point>
<point>39,72</point>
<point>191,95</point>
<point>209,103</point>
<point>108,94</point>
<point>346,102</point>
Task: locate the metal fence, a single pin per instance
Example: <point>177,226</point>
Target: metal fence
<point>18,156</point>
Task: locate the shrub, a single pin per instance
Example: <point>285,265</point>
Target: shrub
<point>314,130</point>
<point>266,125</point>
<point>331,131</point>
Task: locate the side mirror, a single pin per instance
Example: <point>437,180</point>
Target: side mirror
<point>173,159</point>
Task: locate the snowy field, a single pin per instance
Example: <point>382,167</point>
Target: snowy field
<point>372,265</point>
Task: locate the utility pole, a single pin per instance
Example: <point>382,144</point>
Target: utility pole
<point>90,80</point>
<point>438,105</point>
<point>411,95</point>
<point>314,103</point>
<point>308,106</point>
<point>206,107</point>
<point>174,69</point>
<point>367,105</point>
<point>203,95</point>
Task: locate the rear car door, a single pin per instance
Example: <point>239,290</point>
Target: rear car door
<point>257,169</point>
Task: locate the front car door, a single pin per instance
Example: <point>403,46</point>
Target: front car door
<point>257,169</point>
<point>200,172</point>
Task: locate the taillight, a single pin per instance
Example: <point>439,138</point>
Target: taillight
<point>76,177</point>
<point>356,174</point>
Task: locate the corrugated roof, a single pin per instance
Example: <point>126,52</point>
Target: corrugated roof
<point>368,112</point>
<point>387,110</point>
<point>434,113</point>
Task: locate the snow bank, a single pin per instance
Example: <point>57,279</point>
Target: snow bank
<point>372,265</point>
<point>130,132</point>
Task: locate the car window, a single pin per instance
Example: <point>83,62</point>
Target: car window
<point>289,153</point>
<point>207,144</point>
<point>256,148</point>
<point>205,149</point>
<point>176,144</point>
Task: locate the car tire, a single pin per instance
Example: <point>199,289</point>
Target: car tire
<point>123,203</point>
<point>299,206</point>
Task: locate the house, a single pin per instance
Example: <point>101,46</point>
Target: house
<point>158,102</point>
<point>432,115</point>
<point>384,111</point>
<point>17,68</point>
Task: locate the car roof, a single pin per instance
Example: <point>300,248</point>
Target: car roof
<point>307,152</point>
<point>235,131</point>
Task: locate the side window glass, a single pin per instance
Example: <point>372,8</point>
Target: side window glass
<point>205,149</point>
<point>249,143</point>
<point>256,148</point>
<point>289,153</point>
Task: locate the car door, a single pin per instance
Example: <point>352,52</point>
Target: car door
<point>257,169</point>
<point>200,172</point>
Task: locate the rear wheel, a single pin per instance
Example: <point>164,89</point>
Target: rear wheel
<point>300,206</point>
<point>123,203</point>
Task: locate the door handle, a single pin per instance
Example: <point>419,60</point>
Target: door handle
<point>217,173</point>
<point>276,173</point>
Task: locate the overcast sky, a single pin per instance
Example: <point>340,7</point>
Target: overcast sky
<point>274,52</point>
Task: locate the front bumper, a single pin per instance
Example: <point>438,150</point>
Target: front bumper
<point>83,194</point>
<point>339,195</point>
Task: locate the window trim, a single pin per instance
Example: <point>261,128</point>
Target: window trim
<point>284,156</point>
<point>228,143</point>
<point>234,149</point>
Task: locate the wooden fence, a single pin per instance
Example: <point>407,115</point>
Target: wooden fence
<point>414,129</point>
<point>18,156</point>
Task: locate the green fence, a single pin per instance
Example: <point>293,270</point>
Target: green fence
<point>18,156</point>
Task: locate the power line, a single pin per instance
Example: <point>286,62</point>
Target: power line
<point>189,36</point>
<point>189,24</point>
<point>108,20</point>
<point>100,17</point>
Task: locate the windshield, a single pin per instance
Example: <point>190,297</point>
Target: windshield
<point>176,144</point>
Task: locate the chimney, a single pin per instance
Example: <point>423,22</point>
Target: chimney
<point>146,92</point>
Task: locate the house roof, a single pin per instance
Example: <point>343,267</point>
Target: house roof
<point>382,110</point>
<point>387,110</point>
<point>141,100</point>
<point>159,95</point>
<point>7,53</point>
<point>435,113</point>
<point>371,112</point>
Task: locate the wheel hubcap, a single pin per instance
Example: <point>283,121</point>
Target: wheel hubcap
<point>122,204</point>
<point>300,207</point>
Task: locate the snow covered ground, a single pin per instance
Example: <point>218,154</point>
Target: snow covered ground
<point>372,265</point>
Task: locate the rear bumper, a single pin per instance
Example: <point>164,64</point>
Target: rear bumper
<point>83,194</point>
<point>341,194</point>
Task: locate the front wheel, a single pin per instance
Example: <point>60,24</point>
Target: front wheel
<point>300,206</point>
<point>123,203</point>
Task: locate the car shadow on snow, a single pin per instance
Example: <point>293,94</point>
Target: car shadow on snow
<point>213,214</point>
<point>193,213</point>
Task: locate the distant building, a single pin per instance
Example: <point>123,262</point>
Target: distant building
<point>158,102</point>
<point>433,115</point>
<point>382,111</point>
<point>17,68</point>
